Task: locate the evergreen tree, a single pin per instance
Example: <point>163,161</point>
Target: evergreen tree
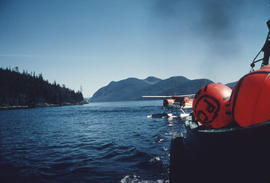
<point>26,89</point>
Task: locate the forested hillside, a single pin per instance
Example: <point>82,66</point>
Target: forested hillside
<point>29,89</point>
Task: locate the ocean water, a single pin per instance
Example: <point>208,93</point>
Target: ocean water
<point>96,143</point>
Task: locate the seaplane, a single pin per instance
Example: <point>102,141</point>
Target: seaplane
<point>176,103</point>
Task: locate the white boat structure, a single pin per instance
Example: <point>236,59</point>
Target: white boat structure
<point>177,103</point>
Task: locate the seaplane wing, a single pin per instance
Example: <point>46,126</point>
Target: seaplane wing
<point>169,96</point>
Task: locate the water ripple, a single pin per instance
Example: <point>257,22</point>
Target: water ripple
<point>99,142</point>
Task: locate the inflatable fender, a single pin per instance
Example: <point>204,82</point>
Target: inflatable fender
<point>250,100</point>
<point>211,105</point>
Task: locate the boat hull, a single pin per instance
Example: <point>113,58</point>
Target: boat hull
<point>231,155</point>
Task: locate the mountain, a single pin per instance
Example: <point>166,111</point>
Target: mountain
<point>152,80</point>
<point>231,85</point>
<point>134,89</point>
<point>127,89</point>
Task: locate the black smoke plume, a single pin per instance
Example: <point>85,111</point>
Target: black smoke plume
<point>215,22</point>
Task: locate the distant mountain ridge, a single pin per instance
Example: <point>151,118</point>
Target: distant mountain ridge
<point>152,80</point>
<point>231,85</point>
<point>134,88</point>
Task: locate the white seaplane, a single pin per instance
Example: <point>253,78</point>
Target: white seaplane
<point>177,103</point>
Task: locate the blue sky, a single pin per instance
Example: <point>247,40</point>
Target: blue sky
<point>89,43</point>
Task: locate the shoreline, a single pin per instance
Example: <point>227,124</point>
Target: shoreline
<point>5,108</point>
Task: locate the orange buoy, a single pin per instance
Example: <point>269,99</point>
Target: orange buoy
<point>250,100</point>
<point>210,105</point>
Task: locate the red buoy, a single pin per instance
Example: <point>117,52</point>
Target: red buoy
<point>250,100</point>
<point>210,105</point>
